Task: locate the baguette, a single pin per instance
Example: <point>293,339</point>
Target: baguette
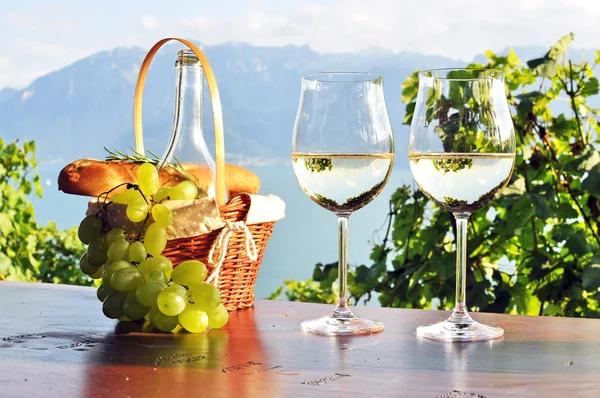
<point>91,177</point>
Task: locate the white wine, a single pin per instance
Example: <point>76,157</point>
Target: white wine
<point>462,182</point>
<point>342,183</point>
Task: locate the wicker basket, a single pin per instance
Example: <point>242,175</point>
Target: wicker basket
<point>236,269</point>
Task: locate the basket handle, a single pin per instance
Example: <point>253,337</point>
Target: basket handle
<point>216,108</point>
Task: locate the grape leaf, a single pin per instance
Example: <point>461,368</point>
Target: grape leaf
<point>542,209</point>
<point>590,87</point>
<point>560,47</point>
<point>592,181</point>
<point>577,243</point>
<point>591,275</point>
<point>6,226</point>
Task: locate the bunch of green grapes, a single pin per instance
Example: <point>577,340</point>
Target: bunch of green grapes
<point>138,282</point>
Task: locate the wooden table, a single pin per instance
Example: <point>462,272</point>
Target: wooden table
<point>55,342</point>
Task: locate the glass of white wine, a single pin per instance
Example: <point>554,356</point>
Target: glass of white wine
<point>343,153</point>
<point>461,153</point>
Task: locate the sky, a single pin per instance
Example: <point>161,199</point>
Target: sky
<point>39,36</point>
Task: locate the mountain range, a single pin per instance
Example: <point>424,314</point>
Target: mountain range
<point>78,110</point>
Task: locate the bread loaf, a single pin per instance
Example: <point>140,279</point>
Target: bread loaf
<point>91,177</point>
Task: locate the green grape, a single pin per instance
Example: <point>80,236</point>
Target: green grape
<point>166,264</point>
<point>147,292</point>
<point>97,251</point>
<point>194,321</point>
<point>85,265</point>
<point>162,194</point>
<point>111,268</point>
<point>133,309</point>
<point>115,234</point>
<point>164,322</point>
<point>204,296</point>
<point>103,291</point>
<point>112,306</point>
<point>126,279</point>
<point>148,180</point>
<point>126,197</point>
<point>158,263</point>
<point>151,314</point>
<point>178,290</point>
<point>157,276</point>
<point>118,250</point>
<point>137,210</point>
<point>137,252</point>
<point>170,303</point>
<point>133,194</point>
<point>90,228</point>
<point>189,272</point>
<point>98,274</point>
<point>162,215</point>
<point>185,190</point>
<point>120,198</point>
<point>147,266</point>
<point>218,317</point>
<point>155,239</point>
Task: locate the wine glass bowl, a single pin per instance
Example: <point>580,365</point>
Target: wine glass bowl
<point>342,156</point>
<point>461,154</point>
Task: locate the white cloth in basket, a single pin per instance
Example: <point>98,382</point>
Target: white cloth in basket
<point>195,217</point>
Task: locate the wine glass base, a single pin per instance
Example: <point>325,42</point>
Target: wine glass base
<point>336,326</point>
<point>466,330</point>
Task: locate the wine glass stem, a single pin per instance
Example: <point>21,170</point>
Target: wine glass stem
<point>461,263</point>
<point>341,308</point>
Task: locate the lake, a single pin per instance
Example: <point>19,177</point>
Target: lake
<point>306,236</point>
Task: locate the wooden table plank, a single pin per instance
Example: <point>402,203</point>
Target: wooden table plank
<point>55,342</point>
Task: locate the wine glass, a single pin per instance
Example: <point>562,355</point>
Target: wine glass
<point>461,153</point>
<point>342,154</point>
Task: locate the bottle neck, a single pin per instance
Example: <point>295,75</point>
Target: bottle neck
<point>189,98</point>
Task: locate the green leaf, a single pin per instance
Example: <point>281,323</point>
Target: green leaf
<point>534,63</point>
<point>6,225</point>
<point>590,159</point>
<point>590,87</point>
<point>592,182</point>
<point>563,126</point>
<point>591,275</point>
<point>566,211</point>
<point>542,208</point>
<point>547,69</point>
<point>577,243</point>
<point>560,47</point>
<point>517,187</point>
<point>5,264</point>
<point>318,273</point>
<point>547,65</point>
<point>410,87</point>
<point>520,213</point>
<point>410,109</point>
<point>562,232</point>
<point>524,108</point>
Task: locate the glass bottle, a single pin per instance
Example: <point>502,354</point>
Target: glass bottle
<point>187,145</point>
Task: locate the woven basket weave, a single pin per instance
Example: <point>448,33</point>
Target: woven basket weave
<point>237,273</point>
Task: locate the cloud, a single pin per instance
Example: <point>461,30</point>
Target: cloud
<point>38,48</point>
<point>458,29</point>
<point>149,22</point>
<point>40,22</point>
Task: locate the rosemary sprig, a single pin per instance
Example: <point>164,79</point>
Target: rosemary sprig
<point>118,156</point>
